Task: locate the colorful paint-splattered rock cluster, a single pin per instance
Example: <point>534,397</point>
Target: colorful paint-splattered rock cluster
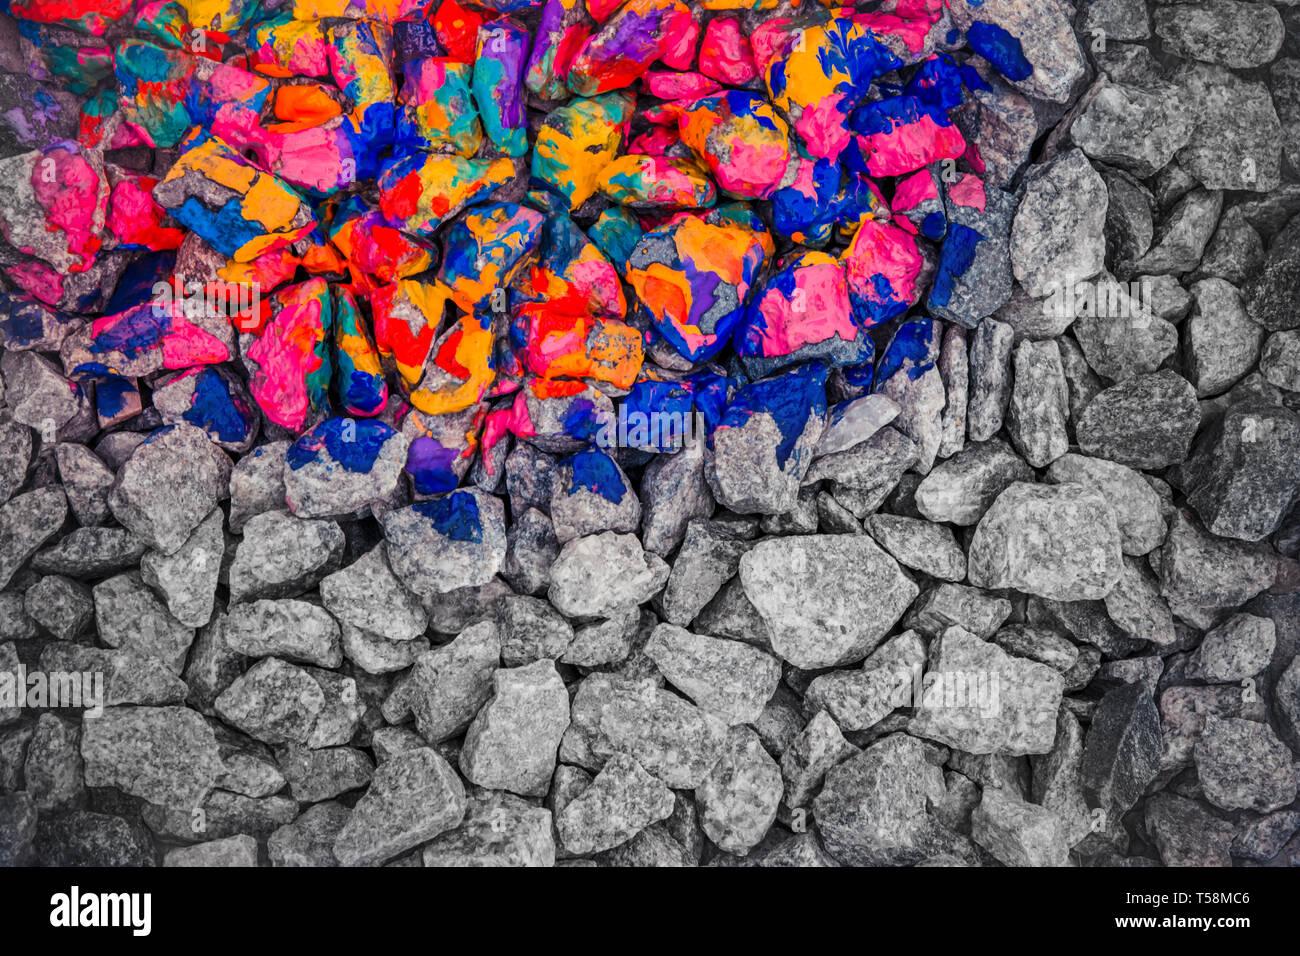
<point>649,432</point>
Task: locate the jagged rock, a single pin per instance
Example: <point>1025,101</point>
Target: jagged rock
<point>982,700</point>
<point>1058,541</point>
<point>828,599</point>
<point>727,678</point>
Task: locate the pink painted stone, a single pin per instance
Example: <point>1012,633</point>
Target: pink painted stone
<point>726,54</point>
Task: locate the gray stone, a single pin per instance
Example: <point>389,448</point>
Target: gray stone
<point>530,478</point>
<point>1237,649</point>
<point>290,629</point>
<point>1237,143</point>
<point>165,755</point>
<point>169,485</point>
<point>257,484</point>
<point>1130,223</point>
<point>1245,470</point>
<point>1145,422</point>
<point>674,740</point>
<point>673,492</point>
<point>1004,123</point>
<point>860,699</point>
<point>499,829</point>
<point>1018,833</point>
<point>1236,253</point>
<point>732,614</point>
<point>1039,404</point>
<point>282,556</point>
<point>1038,644</point>
<point>187,579</point>
<point>1057,541</point>
<point>1116,19</point>
<point>828,599</point>
<point>1044,318</point>
<point>1057,782</point>
<point>727,678</point>
<point>814,750</point>
<point>919,393</point>
<point>38,396</point>
<point>929,548</point>
<point>55,772</point>
<point>601,575</point>
<point>738,799</point>
<point>129,676</point>
<point>90,553</point>
<point>15,456</point>
<point>452,612</point>
<point>15,623</point>
<point>1200,572</point>
<point>1286,701</point>
<point>413,798</point>
<point>1220,341</point>
<point>971,609</point>
<point>316,775</point>
<point>1065,190</point>
<point>86,481</point>
<point>1271,295</point>
<point>862,477</point>
<point>26,523</point>
<point>1183,236</point>
<point>234,851</point>
<point>448,685</point>
<point>1137,507</point>
<point>1227,32</point>
<point>873,808</point>
<point>1120,336</point>
<point>1280,363</point>
<point>212,666</point>
<point>378,655</point>
<point>1285,80</point>
<point>979,699</point>
<point>1242,765</point>
<point>61,607</point>
<point>127,615</point>
<point>512,743</point>
<point>990,378</point>
<point>83,838</point>
<point>224,814</point>
<point>709,556</point>
<point>309,840</point>
<point>281,703</point>
<point>961,489</point>
<point>652,847</point>
<point>954,369</point>
<point>1081,382</point>
<point>619,803</point>
<point>1136,607</point>
<point>531,630</point>
<point>1261,839</point>
<point>1122,752</point>
<point>1183,712</point>
<point>852,422</point>
<point>367,595</point>
<point>1135,128</point>
<point>531,549</point>
<point>605,642</point>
